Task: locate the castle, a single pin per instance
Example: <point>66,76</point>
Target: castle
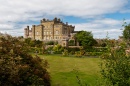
<point>51,30</point>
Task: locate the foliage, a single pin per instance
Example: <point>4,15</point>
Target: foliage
<point>85,38</point>
<point>65,53</point>
<point>115,67</point>
<point>58,49</point>
<point>33,43</point>
<point>80,53</point>
<point>93,53</point>
<point>50,43</point>
<point>18,68</point>
<point>49,50</point>
<point>73,49</point>
<point>71,43</point>
<point>126,32</point>
<point>27,40</point>
<point>103,45</point>
<point>99,49</point>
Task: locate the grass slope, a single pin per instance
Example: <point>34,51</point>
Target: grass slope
<point>64,70</point>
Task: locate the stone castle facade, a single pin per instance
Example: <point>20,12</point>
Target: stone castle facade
<point>51,30</point>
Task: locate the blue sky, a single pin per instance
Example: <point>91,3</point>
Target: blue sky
<point>97,16</point>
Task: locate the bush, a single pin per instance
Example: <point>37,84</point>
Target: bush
<point>65,53</point>
<point>115,68</point>
<point>93,53</point>
<point>18,68</point>
<point>72,53</point>
<point>49,50</point>
<point>73,49</point>
<point>50,43</point>
<point>78,54</point>
<point>58,49</point>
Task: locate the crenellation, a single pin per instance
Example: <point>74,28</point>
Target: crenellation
<point>50,30</point>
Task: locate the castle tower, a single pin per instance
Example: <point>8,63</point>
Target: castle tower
<point>33,31</point>
<point>50,30</point>
<point>25,33</point>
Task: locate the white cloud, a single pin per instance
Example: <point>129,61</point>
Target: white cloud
<point>17,9</point>
<point>14,11</point>
<point>100,27</point>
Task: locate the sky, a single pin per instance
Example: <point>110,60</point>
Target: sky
<point>98,16</point>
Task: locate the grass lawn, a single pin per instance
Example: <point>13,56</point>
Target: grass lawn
<point>63,70</point>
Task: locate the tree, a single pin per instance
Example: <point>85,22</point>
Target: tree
<point>126,32</point>
<point>85,38</point>
<point>18,68</point>
<point>71,43</point>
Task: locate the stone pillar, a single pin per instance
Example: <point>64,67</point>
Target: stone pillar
<point>41,21</point>
<point>67,44</point>
<point>77,43</point>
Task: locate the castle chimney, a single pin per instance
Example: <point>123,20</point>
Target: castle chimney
<point>59,20</point>
<point>55,19</point>
<point>27,30</point>
<point>41,21</point>
<point>44,20</point>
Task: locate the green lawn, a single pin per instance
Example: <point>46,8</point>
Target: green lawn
<point>63,70</point>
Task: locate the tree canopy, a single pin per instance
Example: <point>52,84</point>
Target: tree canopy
<point>85,38</point>
<point>126,32</point>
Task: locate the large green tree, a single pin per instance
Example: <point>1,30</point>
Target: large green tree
<point>126,32</point>
<point>85,38</point>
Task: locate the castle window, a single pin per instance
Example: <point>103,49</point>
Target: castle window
<point>57,32</point>
<point>56,26</point>
<point>55,37</point>
<point>37,33</point>
<point>44,33</point>
<point>51,26</point>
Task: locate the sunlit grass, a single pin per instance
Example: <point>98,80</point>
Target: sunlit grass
<point>63,70</point>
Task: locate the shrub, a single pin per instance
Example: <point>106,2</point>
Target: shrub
<point>18,68</point>
<point>49,50</point>
<point>73,49</point>
<point>115,68</point>
<point>78,54</point>
<point>58,49</point>
<point>72,53</point>
<point>65,53</point>
<point>50,43</point>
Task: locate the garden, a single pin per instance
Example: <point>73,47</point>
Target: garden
<point>26,62</point>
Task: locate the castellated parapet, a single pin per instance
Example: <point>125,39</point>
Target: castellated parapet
<point>50,30</point>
